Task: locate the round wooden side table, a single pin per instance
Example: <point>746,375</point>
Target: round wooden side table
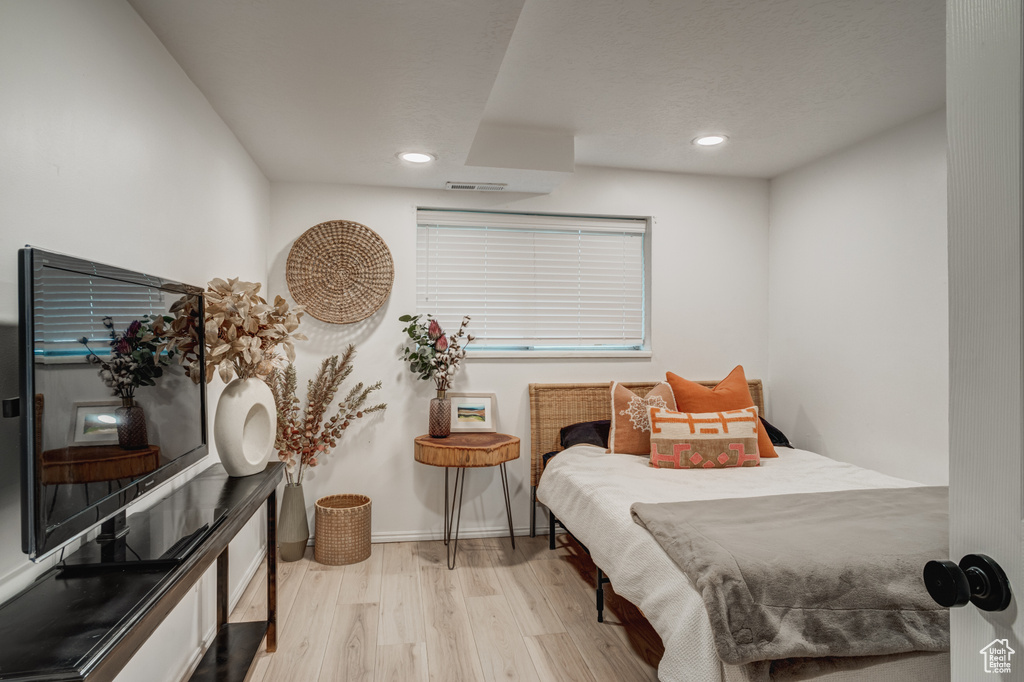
<point>461,451</point>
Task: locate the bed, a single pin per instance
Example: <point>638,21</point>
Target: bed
<point>591,492</point>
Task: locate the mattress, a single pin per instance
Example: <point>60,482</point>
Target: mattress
<point>591,492</point>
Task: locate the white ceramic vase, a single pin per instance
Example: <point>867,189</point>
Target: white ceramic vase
<point>245,426</point>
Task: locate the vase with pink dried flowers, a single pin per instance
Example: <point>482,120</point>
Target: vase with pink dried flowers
<point>436,355</point>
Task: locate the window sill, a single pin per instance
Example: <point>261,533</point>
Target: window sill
<point>569,354</point>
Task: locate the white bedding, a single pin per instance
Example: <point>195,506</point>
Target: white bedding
<point>591,491</point>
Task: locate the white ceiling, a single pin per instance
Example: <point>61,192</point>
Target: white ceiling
<point>330,91</point>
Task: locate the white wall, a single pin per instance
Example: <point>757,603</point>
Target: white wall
<point>709,310</point>
<point>858,341</point>
<point>110,153</point>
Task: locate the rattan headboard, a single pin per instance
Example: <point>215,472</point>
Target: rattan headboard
<point>553,406</point>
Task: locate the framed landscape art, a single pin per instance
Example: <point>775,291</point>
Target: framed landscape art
<point>473,412</point>
<point>94,422</point>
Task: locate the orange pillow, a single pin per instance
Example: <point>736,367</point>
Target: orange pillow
<point>630,431</point>
<point>731,393</point>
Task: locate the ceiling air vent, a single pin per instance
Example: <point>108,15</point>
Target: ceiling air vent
<point>476,186</point>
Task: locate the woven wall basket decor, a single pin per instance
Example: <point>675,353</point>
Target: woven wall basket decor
<point>340,271</point>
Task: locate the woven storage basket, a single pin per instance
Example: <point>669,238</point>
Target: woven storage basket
<point>340,271</point>
<point>342,529</point>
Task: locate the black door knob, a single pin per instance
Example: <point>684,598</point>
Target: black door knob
<point>977,579</point>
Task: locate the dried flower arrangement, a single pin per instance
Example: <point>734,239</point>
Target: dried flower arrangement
<point>184,333</point>
<point>304,436</point>
<point>136,357</point>
<point>435,354</point>
<point>243,331</point>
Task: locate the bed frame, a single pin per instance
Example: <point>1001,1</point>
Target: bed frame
<point>553,406</point>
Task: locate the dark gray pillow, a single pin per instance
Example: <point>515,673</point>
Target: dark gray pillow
<point>586,433</point>
<point>777,437</point>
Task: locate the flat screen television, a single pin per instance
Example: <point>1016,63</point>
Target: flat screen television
<point>87,453</point>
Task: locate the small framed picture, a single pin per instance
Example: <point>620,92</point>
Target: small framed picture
<point>473,412</point>
<point>94,422</point>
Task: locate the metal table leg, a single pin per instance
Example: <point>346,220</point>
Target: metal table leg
<point>451,548</point>
<point>508,505</point>
<point>451,516</point>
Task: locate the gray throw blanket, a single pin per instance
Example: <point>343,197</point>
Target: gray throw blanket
<point>810,575</point>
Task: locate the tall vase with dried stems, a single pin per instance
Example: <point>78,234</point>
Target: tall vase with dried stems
<point>293,527</point>
<point>305,435</point>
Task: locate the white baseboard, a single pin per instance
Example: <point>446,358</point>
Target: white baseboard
<point>416,535</point>
<point>193,661</point>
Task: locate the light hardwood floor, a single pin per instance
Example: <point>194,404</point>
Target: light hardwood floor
<point>402,616</point>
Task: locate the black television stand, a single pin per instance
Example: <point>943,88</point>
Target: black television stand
<point>86,629</point>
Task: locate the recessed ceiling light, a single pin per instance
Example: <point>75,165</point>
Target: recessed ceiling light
<point>416,157</point>
<point>709,140</point>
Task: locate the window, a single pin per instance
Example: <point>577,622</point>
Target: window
<point>72,305</point>
<point>536,283</point>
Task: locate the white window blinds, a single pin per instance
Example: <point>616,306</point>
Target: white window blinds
<point>71,305</point>
<point>534,282</point>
